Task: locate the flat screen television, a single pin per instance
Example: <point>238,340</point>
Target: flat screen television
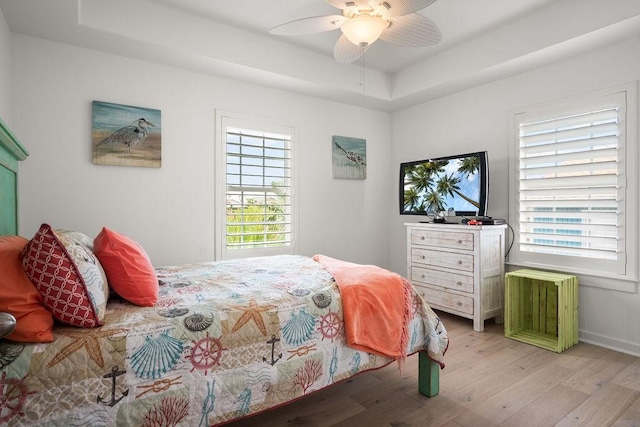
<point>457,185</point>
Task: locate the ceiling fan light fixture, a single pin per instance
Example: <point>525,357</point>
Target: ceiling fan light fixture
<point>362,30</point>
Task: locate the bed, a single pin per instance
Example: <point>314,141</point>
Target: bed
<point>216,342</point>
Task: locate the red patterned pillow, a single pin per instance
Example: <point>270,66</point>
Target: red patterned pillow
<point>68,277</point>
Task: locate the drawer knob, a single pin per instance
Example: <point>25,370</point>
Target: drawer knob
<point>459,242</point>
<point>421,256</point>
<point>459,283</point>
<point>423,276</point>
<point>421,237</point>
<point>459,303</point>
<point>459,262</point>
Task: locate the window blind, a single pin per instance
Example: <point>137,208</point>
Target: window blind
<point>572,184</point>
<point>258,190</point>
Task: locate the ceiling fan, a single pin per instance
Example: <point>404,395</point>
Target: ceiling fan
<point>364,21</point>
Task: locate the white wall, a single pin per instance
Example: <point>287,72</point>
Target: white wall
<point>170,210</point>
<point>477,119</point>
<point>5,71</point>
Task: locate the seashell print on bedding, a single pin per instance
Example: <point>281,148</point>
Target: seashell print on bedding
<point>173,312</point>
<point>299,292</point>
<point>264,347</point>
<point>198,321</point>
<point>9,352</point>
<point>180,284</point>
<point>156,356</point>
<point>299,328</point>
<point>322,299</point>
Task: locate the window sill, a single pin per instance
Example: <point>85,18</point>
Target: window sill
<point>586,278</point>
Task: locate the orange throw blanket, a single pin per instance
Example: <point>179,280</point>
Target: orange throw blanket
<point>376,304</point>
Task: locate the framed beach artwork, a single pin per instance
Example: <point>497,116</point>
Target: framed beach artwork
<point>349,157</point>
<point>124,135</point>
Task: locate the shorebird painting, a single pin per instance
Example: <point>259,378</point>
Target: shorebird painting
<point>125,135</point>
<point>130,135</point>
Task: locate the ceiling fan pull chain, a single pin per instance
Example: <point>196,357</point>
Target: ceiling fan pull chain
<point>362,72</point>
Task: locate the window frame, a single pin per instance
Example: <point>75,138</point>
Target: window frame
<point>225,120</point>
<point>626,281</point>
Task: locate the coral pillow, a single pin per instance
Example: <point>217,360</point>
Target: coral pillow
<point>68,277</point>
<point>129,269</point>
<point>19,297</point>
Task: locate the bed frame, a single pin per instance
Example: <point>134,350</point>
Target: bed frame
<point>12,152</point>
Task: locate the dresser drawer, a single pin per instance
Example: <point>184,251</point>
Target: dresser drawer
<point>445,279</point>
<point>446,300</point>
<point>443,239</point>
<point>453,260</point>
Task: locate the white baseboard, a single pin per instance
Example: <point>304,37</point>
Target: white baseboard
<point>610,343</point>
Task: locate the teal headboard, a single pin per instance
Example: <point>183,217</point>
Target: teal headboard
<point>11,152</point>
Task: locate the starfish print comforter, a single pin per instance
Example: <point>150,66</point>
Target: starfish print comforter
<point>225,340</point>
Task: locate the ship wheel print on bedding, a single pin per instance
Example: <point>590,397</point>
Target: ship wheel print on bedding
<point>415,306</point>
<point>13,395</point>
<point>330,325</point>
<point>206,353</point>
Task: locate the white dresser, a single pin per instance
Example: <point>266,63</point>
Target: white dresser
<point>459,268</point>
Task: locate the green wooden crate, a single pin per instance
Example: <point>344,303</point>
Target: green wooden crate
<point>541,309</point>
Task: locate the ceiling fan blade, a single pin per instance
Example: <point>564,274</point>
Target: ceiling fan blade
<point>412,30</point>
<point>348,4</point>
<point>402,7</point>
<point>316,24</point>
<point>346,52</point>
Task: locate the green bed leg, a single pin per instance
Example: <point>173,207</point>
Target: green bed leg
<point>428,375</point>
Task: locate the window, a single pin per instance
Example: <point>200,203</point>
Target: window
<point>575,186</point>
<point>256,212</point>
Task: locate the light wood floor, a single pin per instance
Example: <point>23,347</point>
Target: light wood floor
<point>488,380</point>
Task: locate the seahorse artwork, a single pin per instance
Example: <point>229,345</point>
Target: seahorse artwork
<point>245,402</point>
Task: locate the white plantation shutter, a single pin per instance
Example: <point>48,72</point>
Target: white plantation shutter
<point>571,185</point>
<point>257,216</point>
